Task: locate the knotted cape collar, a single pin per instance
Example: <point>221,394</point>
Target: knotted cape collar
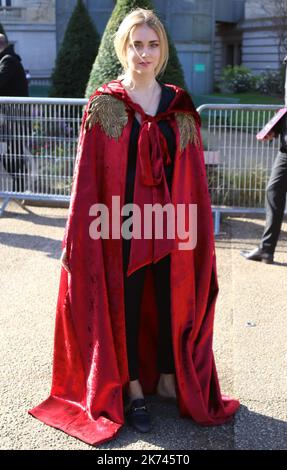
<point>152,147</point>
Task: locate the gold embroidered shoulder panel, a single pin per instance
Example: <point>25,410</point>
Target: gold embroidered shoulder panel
<point>187,130</point>
<point>109,112</point>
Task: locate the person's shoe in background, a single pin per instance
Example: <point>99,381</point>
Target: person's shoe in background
<point>258,255</point>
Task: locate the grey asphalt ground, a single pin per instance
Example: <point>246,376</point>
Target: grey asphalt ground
<point>250,341</point>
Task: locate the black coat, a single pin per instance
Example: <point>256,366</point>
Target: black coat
<point>13,80</point>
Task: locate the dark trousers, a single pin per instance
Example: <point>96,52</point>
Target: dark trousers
<point>133,286</point>
<point>275,203</point>
<point>15,164</point>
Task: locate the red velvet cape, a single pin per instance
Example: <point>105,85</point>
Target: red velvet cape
<point>90,370</point>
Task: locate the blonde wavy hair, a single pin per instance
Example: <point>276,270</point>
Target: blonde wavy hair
<point>137,17</point>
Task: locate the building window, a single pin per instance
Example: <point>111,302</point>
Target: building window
<point>233,54</point>
<point>5,3</point>
<point>230,55</point>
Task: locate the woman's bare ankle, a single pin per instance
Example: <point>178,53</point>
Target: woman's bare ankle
<point>135,390</point>
<point>166,385</point>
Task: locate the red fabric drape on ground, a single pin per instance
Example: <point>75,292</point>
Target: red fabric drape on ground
<point>90,368</point>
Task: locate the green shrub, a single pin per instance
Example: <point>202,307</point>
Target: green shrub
<point>271,82</point>
<point>76,56</point>
<point>237,79</point>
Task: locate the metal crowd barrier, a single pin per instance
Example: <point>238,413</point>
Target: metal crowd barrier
<point>38,143</point>
<point>238,166</point>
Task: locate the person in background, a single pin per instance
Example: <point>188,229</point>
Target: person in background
<point>13,82</point>
<point>275,199</point>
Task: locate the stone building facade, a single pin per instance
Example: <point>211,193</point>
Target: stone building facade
<point>252,39</point>
<point>208,34</point>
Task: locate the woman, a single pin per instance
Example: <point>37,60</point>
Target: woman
<point>135,315</point>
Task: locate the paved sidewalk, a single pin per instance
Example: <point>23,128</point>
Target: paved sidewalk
<point>250,341</point>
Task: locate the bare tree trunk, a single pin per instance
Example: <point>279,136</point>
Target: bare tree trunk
<point>277,13</point>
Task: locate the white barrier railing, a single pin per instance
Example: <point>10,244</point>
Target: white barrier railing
<point>38,142</point>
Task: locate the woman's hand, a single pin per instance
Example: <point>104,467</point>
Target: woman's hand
<point>269,136</point>
<point>64,261</point>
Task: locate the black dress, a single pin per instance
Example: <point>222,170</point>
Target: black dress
<point>135,282</point>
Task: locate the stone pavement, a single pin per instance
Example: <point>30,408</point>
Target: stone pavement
<point>250,340</point>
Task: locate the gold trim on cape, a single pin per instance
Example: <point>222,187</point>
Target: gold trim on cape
<point>187,130</point>
<point>110,113</point>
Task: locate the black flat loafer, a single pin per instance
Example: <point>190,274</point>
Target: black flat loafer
<point>138,415</point>
<point>258,255</point>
